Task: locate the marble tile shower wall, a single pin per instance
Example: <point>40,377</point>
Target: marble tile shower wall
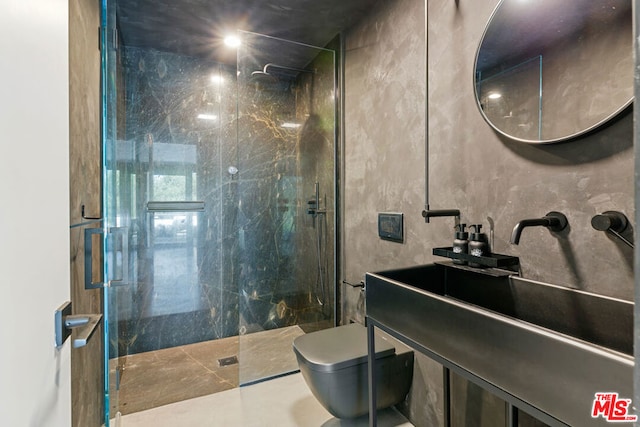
<point>235,267</point>
<point>286,268</point>
<point>316,154</point>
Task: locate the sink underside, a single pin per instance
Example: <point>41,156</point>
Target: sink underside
<point>550,347</point>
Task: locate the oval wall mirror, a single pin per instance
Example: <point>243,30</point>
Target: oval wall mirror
<point>548,71</point>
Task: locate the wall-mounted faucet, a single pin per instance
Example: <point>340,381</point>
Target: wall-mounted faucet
<point>612,222</point>
<point>554,221</point>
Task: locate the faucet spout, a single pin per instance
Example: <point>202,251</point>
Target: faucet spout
<point>431,213</point>
<point>554,221</point>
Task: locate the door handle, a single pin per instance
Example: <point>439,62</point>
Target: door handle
<point>65,322</point>
<point>118,250</point>
<point>118,247</point>
<point>88,258</point>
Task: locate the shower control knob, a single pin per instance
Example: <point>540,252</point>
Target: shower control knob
<point>232,170</point>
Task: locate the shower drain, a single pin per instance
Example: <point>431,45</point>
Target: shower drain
<point>226,361</point>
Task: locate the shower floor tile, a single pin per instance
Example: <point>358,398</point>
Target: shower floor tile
<point>268,353</point>
<point>160,377</point>
<point>280,402</point>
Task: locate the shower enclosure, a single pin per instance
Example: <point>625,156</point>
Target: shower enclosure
<point>219,201</point>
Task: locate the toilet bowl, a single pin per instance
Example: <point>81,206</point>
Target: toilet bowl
<point>333,362</point>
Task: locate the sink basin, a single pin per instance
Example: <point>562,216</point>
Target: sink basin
<point>548,347</point>
<point>600,320</point>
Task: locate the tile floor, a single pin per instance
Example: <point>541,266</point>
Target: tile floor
<point>160,377</point>
<point>268,353</point>
<point>281,402</point>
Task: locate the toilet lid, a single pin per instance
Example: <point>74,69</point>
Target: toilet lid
<point>338,348</point>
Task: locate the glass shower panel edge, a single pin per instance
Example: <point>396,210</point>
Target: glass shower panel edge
<point>108,118</point>
<point>286,190</point>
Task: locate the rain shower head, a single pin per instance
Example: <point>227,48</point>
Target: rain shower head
<point>265,71</point>
<point>262,77</point>
<point>267,79</point>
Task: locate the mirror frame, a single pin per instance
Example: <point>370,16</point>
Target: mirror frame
<point>566,138</point>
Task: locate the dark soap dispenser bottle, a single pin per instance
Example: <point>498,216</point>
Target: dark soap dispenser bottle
<point>478,244</point>
<point>461,243</point>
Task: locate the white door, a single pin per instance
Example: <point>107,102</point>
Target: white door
<point>35,378</point>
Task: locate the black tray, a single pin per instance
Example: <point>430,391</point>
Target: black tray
<point>493,260</point>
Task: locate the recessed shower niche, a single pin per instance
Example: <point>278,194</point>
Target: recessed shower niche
<point>220,212</point>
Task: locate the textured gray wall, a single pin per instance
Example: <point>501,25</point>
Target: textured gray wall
<point>572,87</point>
<point>472,168</point>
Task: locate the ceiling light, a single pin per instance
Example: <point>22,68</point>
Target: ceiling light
<point>232,41</point>
<point>495,95</point>
<point>217,79</point>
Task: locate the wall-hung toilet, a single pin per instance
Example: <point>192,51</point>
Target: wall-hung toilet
<point>333,363</point>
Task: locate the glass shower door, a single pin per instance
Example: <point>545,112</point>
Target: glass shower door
<point>219,195</point>
<point>108,52</point>
<point>286,191</point>
<point>170,302</point>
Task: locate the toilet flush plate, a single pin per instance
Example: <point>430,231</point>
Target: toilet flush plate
<point>391,226</point>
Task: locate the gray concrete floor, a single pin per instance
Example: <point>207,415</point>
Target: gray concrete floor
<point>281,402</point>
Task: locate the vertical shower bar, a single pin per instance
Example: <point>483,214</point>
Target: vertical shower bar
<point>317,195</point>
<point>339,167</point>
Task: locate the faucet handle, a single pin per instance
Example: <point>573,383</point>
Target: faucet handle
<point>610,220</point>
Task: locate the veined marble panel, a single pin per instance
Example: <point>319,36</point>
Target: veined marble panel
<point>194,130</point>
